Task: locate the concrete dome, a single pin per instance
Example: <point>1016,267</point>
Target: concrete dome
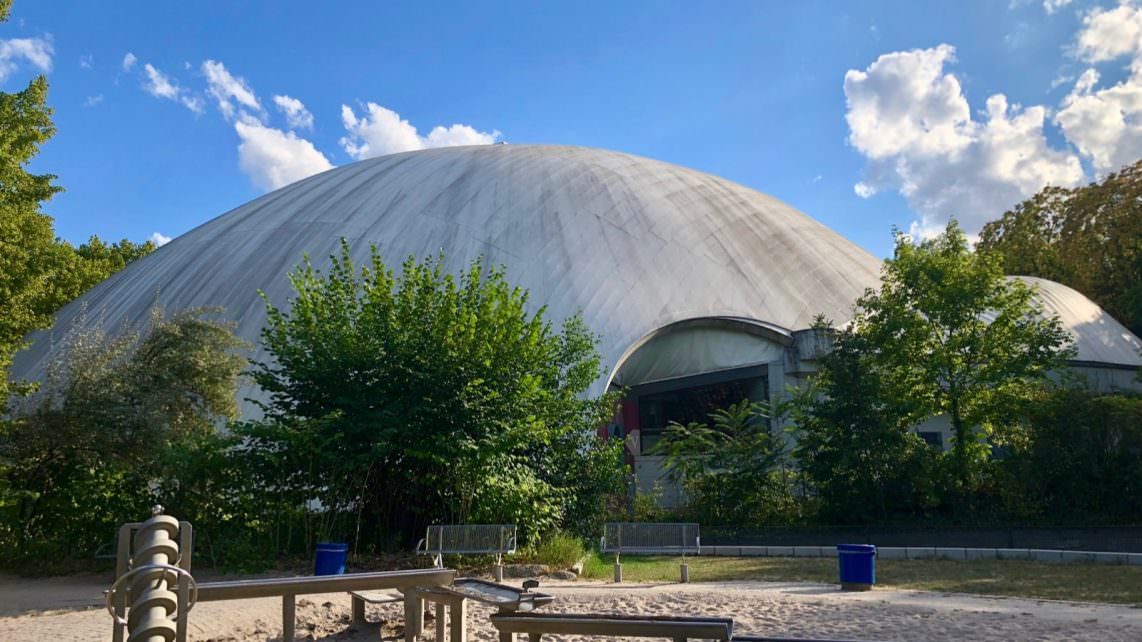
<point>634,244</point>
<point>1099,338</point>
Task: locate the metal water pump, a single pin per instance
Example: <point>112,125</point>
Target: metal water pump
<point>154,588</point>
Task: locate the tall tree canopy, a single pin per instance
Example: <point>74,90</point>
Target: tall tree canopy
<point>89,450</point>
<point>948,334</point>
<point>1089,238</point>
<point>426,397</point>
<point>38,272</point>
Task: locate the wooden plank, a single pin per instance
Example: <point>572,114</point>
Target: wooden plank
<point>458,614</point>
<point>289,617</point>
<point>276,586</point>
<point>593,624</point>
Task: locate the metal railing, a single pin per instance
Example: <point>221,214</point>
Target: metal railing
<point>1117,539</point>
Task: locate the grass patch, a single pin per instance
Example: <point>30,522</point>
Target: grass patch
<point>1015,578</point>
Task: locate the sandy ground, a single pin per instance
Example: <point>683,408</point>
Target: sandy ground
<point>65,609</point>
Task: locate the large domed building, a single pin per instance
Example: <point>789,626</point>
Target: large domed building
<point>702,291</point>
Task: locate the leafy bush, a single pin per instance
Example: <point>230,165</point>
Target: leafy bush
<point>558,550</point>
<point>735,470</point>
<point>103,439</point>
<point>399,401</point>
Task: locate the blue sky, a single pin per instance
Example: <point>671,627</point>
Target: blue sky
<point>863,115</point>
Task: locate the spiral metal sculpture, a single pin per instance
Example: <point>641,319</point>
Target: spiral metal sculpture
<point>152,583</point>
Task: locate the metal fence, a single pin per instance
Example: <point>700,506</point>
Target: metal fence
<point>1116,539</point>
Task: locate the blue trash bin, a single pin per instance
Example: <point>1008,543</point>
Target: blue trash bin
<point>857,566</point>
<point>330,559</point>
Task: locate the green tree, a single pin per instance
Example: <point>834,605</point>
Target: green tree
<point>1089,238</point>
<point>1079,459</point>
<point>735,469</point>
<point>30,259</point>
<point>425,398</point>
<point>948,334</point>
<point>855,446</point>
<point>88,450</point>
<point>38,272</point>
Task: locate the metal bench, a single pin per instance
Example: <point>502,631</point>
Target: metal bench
<point>469,539</point>
<point>646,538</point>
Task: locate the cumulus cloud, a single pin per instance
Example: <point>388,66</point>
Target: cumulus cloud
<point>379,131</point>
<point>1106,124</point>
<point>159,85</point>
<point>911,120</point>
<point>295,112</point>
<point>159,239</point>
<point>273,158</point>
<point>86,61</point>
<point>227,89</point>
<point>1051,6</point>
<point>36,51</point>
<point>129,61</point>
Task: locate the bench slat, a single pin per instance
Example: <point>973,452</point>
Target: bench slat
<point>599,624</point>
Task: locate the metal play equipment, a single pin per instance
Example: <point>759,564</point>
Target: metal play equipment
<point>452,602</point>
<point>469,539</point>
<point>648,538</point>
<point>154,591</point>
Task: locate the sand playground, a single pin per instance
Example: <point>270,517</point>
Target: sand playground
<point>69,609</point>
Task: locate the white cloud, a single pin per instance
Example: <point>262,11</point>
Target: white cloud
<point>159,239</point>
<point>1061,80</point>
<point>160,85</point>
<point>296,113</point>
<point>273,158</point>
<point>913,123</point>
<point>1106,124</point>
<point>37,51</point>
<point>93,100</point>
<point>227,89</point>
<point>129,61</point>
<point>381,131</point>
<point>86,61</point>
<point>1051,6</point>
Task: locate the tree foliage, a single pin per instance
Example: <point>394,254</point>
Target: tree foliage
<point>948,334</point>
<point>1079,458</point>
<point>427,397</point>
<point>93,447</point>
<point>736,469</point>
<point>1089,238</point>
<point>855,444</point>
<point>38,272</point>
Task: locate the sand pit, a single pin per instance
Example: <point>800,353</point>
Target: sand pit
<point>59,609</point>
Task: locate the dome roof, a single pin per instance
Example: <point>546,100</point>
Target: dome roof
<point>632,243</point>
<point>1099,338</point>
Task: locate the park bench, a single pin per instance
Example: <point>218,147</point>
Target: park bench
<point>469,539</point>
<point>650,538</point>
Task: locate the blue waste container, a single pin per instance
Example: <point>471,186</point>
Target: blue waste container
<point>330,559</point>
<point>857,566</point>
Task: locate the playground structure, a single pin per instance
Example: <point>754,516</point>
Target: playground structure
<point>154,592</point>
<point>649,538</point>
<point>469,539</point>
<point>154,588</point>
